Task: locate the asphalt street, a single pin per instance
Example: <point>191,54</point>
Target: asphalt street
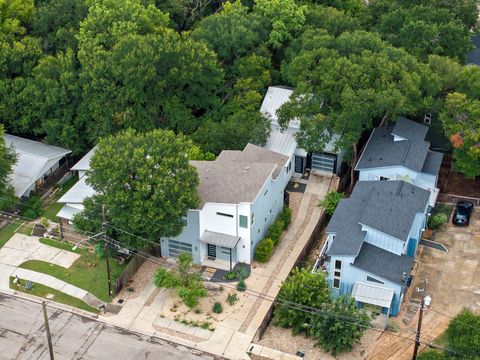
<point>22,336</point>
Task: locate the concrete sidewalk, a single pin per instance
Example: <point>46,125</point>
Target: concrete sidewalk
<point>21,248</point>
<point>233,337</point>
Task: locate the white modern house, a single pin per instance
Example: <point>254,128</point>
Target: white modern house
<point>400,152</point>
<point>74,197</point>
<point>36,163</point>
<point>328,161</point>
<point>372,240</point>
<point>241,192</point>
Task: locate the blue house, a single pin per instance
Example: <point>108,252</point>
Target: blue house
<point>400,152</point>
<point>371,242</point>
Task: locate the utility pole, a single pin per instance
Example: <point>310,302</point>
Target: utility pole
<point>420,317</point>
<point>47,329</point>
<point>105,239</point>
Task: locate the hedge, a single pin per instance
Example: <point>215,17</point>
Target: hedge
<point>264,250</point>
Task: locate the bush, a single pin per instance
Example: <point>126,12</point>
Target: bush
<point>192,293</point>
<point>437,221</point>
<point>264,250</point>
<point>241,286</point>
<point>286,216</point>
<point>231,275</point>
<point>165,279</point>
<point>275,231</point>
<point>232,299</point>
<point>99,250</point>
<point>217,308</point>
<point>33,207</point>
<point>330,202</point>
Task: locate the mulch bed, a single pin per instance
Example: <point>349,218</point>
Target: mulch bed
<point>452,182</point>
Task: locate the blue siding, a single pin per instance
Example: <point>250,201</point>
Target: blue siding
<point>411,247</point>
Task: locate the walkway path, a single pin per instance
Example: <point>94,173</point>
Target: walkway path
<point>234,336</point>
<point>21,248</point>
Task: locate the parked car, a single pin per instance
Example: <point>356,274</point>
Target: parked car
<point>463,210</point>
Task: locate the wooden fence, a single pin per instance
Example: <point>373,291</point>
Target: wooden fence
<point>128,272</point>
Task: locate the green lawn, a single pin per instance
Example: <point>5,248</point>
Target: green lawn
<point>441,340</point>
<point>7,232</point>
<point>60,297</point>
<point>52,209</point>
<point>88,272</point>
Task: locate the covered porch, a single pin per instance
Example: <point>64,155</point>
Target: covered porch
<point>375,299</point>
<point>219,250</point>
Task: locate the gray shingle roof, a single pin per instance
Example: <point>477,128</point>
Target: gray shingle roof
<point>383,151</point>
<point>432,163</point>
<point>237,176</point>
<point>383,263</point>
<point>386,206</point>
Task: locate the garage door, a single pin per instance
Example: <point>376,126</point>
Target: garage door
<point>175,248</point>
<point>323,162</point>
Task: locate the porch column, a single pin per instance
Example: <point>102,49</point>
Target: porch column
<point>230,259</point>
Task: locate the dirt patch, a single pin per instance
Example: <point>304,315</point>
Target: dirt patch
<point>283,340</point>
<point>141,279</point>
<point>452,182</point>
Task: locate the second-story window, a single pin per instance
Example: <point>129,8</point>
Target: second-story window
<point>243,221</point>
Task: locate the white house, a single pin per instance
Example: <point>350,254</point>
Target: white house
<point>328,161</point>
<point>74,197</point>
<point>36,163</point>
<point>241,192</point>
<point>400,152</point>
<point>372,240</point>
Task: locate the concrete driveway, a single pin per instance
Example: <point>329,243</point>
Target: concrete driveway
<point>453,283</point>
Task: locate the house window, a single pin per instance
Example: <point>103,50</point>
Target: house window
<point>289,166</point>
<point>336,283</point>
<point>337,274</point>
<point>384,178</point>
<point>243,221</point>
<point>373,280</point>
<point>338,265</point>
<point>184,221</point>
<point>223,214</point>
<point>252,219</point>
<point>265,193</point>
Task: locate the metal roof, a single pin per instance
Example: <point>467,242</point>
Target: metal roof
<point>84,163</point>
<point>473,57</point>
<point>68,212</point>
<point>78,192</point>
<point>373,294</point>
<point>33,160</point>
<point>275,97</point>
<point>214,238</point>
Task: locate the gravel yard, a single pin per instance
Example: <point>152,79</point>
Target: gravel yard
<point>143,276</point>
<point>282,339</point>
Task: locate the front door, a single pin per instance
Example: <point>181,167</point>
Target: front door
<point>212,250</point>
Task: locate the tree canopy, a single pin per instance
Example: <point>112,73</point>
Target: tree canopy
<point>7,160</point>
<point>144,183</point>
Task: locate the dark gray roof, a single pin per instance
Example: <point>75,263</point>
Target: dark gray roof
<point>432,163</point>
<point>383,263</point>
<point>383,151</point>
<point>473,57</point>
<point>386,206</point>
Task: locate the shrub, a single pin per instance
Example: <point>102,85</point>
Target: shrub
<point>264,250</point>
<point>241,286</point>
<point>275,231</point>
<point>165,279</point>
<point>286,216</point>
<point>243,273</point>
<point>437,221</point>
<point>330,202</point>
<point>192,293</point>
<point>217,308</point>
<point>231,275</point>
<point>232,299</point>
<point>33,207</point>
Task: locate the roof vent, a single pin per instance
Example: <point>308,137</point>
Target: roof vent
<point>248,167</point>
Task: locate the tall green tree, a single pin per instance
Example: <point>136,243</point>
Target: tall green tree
<point>463,335</point>
<point>349,84</point>
<point>7,160</point>
<point>131,61</point>
<point>185,13</point>
<point>56,23</point>
<point>461,123</point>
<point>145,184</point>
<point>286,17</point>
<point>309,290</point>
<point>340,325</point>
